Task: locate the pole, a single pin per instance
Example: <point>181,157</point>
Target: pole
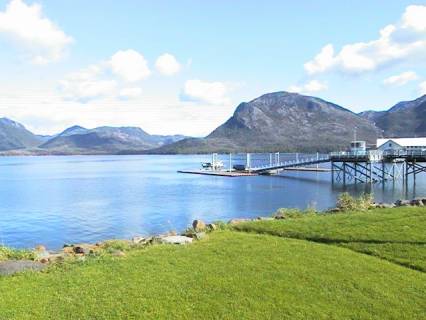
<point>317,160</point>
<point>248,162</point>
<point>230,162</point>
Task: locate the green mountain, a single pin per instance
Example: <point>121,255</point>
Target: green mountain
<point>281,121</point>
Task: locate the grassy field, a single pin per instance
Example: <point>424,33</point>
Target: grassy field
<point>398,235</point>
<point>237,275</point>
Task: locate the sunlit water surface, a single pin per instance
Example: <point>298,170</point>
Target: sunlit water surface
<point>57,200</point>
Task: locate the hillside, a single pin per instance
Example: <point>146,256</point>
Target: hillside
<point>282,121</point>
<point>14,135</point>
<point>405,119</point>
<point>77,139</point>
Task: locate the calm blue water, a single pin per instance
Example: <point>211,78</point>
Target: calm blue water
<point>57,200</point>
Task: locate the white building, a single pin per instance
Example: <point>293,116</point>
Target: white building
<point>407,144</point>
<point>358,146</point>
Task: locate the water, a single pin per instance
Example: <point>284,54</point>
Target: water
<point>57,200</point>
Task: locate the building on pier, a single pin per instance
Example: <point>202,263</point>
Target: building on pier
<point>401,144</point>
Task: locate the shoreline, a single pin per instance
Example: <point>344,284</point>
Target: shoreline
<point>198,231</point>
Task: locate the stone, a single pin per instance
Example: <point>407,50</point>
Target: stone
<point>44,260</point>
<point>200,235</point>
<point>265,218</point>
<point>198,225</point>
<point>82,250</point>
<point>417,202</point>
<point>238,221</point>
<point>334,210</point>
<point>15,266</point>
<point>175,240</point>
<point>40,248</point>
<point>41,253</point>
<point>402,203</point>
<point>212,226</point>
<point>138,240</point>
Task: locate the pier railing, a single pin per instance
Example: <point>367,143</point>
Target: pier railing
<point>371,155</point>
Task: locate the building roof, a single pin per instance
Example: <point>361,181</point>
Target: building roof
<point>404,142</point>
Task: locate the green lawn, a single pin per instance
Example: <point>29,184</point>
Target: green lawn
<point>230,275</point>
<point>243,275</point>
<point>398,235</point>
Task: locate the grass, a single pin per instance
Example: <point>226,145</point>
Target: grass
<point>15,254</point>
<point>397,235</point>
<point>230,275</point>
<point>311,266</point>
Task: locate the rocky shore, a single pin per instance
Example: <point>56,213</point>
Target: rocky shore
<point>42,257</point>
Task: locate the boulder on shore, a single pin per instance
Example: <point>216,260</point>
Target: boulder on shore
<point>175,240</point>
<point>198,225</point>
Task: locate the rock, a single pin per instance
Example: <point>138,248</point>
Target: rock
<point>138,240</point>
<point>15,266</point>
<point>44,260</point>
<point>200,235</point>
<point>334,210</point>
<point>40,248</point>
<point>68,250</point>
<point>402,203</point>
<point>265,218</point>
<point>41,253</point>
<point>175,240</point>
<point>212,226</point>
<point>118,253</point>
<point>198,225</point>
<point>82,250</point>
<point>238,221</point>
<point>417,202</point>
<point>279,217</point>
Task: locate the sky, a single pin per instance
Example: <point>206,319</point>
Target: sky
<point>182,67</point>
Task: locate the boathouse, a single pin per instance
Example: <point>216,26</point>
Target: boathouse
<point>406,144</point>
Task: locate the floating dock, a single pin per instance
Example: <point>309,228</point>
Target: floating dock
<point>220,173</point>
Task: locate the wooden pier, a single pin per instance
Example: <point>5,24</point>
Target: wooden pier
<point>346,167</point>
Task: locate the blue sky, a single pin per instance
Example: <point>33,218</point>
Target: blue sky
<point>183,66</point>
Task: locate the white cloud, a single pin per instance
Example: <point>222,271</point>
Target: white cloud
<point>25,24</point>
<point>130,93</point>
<point>422,88</point>
<point>130,65</point>
<point>108,78</point>
<point>87,84</point>
<point>322,61</point>
<point>167,64</point>
<point>207,92</point>
<point>312,86</point>
<point>397,42</point>
<point>401,79</point>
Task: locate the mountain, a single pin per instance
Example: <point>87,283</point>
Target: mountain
<point>104,140</point>
<point>405,119</point>
<point>14,135</point>
<point>281,121</point>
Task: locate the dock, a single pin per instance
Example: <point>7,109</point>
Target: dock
<point>220,173</point>
<point>368,166</point>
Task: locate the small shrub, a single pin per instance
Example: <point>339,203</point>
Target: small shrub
<point>112,245</point>
<point>346,202</point>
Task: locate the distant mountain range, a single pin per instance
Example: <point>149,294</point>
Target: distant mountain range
<point>405,119</point>
<point>279,121</point>
<point>16,139</point>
